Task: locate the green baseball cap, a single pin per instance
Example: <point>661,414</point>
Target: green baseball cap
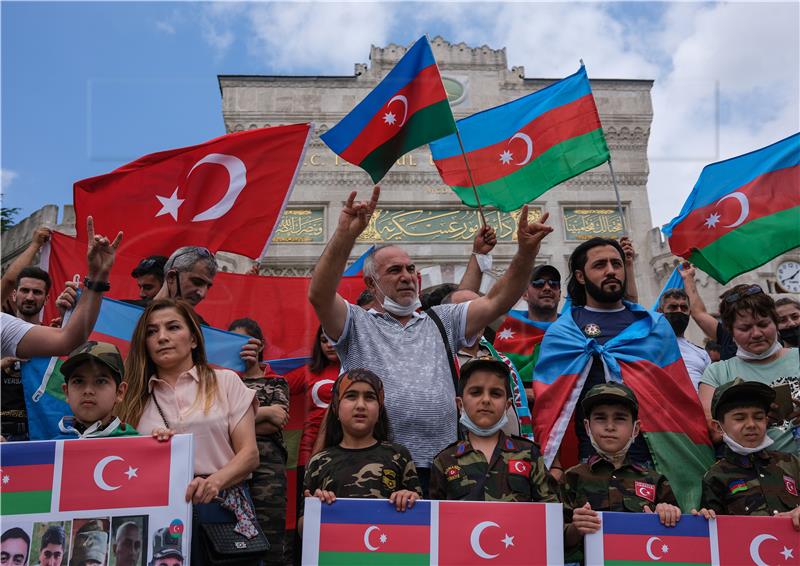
<point>609,393</point>
<point>100,352</point>
<point>761,394</point>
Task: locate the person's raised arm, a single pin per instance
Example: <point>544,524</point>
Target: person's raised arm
<point>484,242</point>
<point>49,341</point>
<point>697,308</point>
<point>509,288</point>
<point>330,307</point>
<point>9,282</point>
<point>631,291</point>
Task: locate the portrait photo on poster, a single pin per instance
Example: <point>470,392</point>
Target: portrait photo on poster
<point>90,542</point>
<point>128,537</point>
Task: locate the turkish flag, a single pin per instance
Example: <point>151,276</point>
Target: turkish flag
<point>511,533</point>
<point>224,194</point>
<point>757,540</point>
<point>114,473</point>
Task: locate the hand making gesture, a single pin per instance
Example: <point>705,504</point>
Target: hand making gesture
<point>101,252</point>
<point>530,236</point>
<point>355,215</point>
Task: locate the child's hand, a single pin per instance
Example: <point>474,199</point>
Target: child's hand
<point>669,515</point>
<point>795,515</point>
<point>162,434</point>
<point>707,513</point>
<point>585,520</point>
<point>322,494</point>
<point>403,499</point>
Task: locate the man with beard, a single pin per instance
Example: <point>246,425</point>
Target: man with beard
<point>33,284</point>
<point>674,304</point>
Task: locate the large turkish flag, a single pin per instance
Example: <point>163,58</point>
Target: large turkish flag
<point>114,473</point>
<point>226,194</point>
<point>757,540</point>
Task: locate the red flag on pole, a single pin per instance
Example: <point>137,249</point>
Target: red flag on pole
<point>225,194</point>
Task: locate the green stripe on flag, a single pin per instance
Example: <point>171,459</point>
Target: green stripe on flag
<point>424,126</point>
<point>751,245</point>
<point>683,463</point>
<point>25,502</point>
<point>373,558</point>
<point>559,163</point>
<point>55,382</point>
<point>650,563</point>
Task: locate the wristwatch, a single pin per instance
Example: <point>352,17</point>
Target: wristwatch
<point>96,286</point>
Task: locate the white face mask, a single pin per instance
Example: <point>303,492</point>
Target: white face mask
<point>614,457</point>
<point>478,431</point>
<point>392,306</point>
<point>750,356</point>
<point>744,450</point>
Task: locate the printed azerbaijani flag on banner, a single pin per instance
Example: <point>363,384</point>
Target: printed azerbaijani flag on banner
<point>26,477</point>
<point>635,538</point>
<point>520,149</point>
<point>409,108</point>
<point>742,212</point>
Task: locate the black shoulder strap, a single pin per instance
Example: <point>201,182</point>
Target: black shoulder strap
<point>450,358</point>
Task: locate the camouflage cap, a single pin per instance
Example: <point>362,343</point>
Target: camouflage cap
<point>484,362</point>
<point>101,352</point>
<point>166,544</point>
<point>761,394</point>
<point>91,543</point>
<point>609,393</point>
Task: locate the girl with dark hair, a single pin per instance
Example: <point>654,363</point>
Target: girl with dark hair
<point>319,378</point>
<point>358,460</point>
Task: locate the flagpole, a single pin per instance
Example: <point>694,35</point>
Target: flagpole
<point>616,193</point>
<point>472,182</point>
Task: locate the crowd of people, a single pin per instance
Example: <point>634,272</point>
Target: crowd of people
<point>411,395</point>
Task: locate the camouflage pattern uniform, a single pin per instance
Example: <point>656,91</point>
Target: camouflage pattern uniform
<point>516,472</point>
<point>373,473</point>
<point>764,483</point>
<point>268,484</point>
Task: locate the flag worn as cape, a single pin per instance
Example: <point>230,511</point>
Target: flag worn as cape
<point>644,356</point>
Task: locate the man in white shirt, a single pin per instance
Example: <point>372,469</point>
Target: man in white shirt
<point>674,304</point>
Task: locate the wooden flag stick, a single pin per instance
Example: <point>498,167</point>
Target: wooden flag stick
<point>619,202</point>
<point>472,182</point>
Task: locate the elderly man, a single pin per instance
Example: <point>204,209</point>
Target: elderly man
<point>405,347</point>
<point>189,274</point>
<point>127,544</point>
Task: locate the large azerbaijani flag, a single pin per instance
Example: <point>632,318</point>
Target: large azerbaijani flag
<point>645,356</point>
<point>26,484</point>
<point>521,149</point>
<point>742,212</point>
<point>409,108</point>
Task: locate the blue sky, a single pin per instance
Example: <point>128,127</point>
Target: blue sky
<point>87,87</point>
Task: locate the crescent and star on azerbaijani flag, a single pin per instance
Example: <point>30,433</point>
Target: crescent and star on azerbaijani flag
<point>507,157</point>
<point>100,468</point>
<point>237,173</point>
<point>389,118</point>
<point>714,217</point>
<point>382,538</point>
<point>649,548</point>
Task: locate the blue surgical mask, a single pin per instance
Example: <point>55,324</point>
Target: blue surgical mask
<point>479,431</point>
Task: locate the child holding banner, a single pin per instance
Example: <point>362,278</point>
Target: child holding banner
<point>358,460</point>
<point>489,465</point>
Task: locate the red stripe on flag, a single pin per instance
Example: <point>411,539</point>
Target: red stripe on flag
<point>767,194</point>
<point>38,477</point>
<point>424,90</point>
<point>359,538</point>
<point>636,548</point>
<point>516,337</point>
<point>550,399</point>
<point>548,130</point>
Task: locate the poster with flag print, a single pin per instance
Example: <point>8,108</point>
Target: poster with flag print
<point>91,488</point>
<point>635,538</point>
<point>448,533</point>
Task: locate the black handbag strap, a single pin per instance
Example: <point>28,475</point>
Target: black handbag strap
<point>450,358</point>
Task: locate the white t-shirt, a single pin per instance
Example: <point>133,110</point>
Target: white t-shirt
<point>13,329</point>
<point>695,358</point>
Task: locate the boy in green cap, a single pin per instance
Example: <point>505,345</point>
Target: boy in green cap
<point>749,479</point>
<point>609,480</point>
<point>93,386</point>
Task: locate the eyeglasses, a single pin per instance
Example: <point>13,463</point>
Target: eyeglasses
<point>751,290</point>
<point>540,283</point>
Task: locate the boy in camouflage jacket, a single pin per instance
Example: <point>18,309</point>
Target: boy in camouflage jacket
<point>489,465</point>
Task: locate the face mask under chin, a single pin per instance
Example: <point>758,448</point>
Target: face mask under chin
<point>395,308</point>
<point>615,458</point>
<point>737,448</point>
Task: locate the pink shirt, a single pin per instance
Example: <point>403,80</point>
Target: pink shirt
<point>212,430</point>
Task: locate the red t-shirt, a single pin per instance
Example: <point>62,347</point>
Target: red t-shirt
<point>318,393</point>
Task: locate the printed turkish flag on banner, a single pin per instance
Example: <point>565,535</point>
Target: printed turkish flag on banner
<point>112,473</point>
<point>224,194</point>
<point>757,540</point>
<point>511,533</point>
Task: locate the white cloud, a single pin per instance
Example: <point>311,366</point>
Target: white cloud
<point>165,27</point>
<point>7,176</point>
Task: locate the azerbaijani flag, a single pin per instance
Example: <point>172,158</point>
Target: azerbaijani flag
<point>26,484</point>
<point>519,338</point>
<point>409,108</point>
<point>645,356</point>
<point>742,212</point>
<point>362,531</point>
<point>520,149</point>
<point>628,539</point>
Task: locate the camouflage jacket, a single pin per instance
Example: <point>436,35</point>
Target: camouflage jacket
<point>373,473</point>
<point>764,483</point>
<point>628,488</point>
<point>516,472</point>
<point>270,390</point>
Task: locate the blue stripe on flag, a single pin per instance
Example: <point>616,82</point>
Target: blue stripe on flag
<point>285,365</point>
<point>501,122</point>
<point>415,60</point>
<point>374,511</point>
<point>718,179</point>
<point>358,265</point>
<point>27,453</point>
<point>675,281</point>
<point>648,524</point>
<point>522,316</point>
